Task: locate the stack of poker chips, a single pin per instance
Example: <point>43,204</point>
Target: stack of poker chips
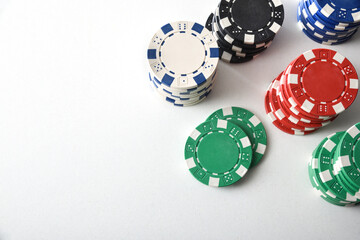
<point>221,150</point>
<point>244,29</point>
<point>334,169</point>
<point>313,90</point>
<point>183,59</point>
<point>327,21</point>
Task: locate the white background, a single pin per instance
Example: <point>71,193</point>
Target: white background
<point>89,151</point>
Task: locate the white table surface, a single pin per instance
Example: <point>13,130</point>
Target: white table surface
<point>89,151</point>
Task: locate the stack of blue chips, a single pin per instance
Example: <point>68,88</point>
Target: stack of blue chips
<point>329,22</point>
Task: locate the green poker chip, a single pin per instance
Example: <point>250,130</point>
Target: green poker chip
<point>348,161</point>
<point>326,169</point>
<point>218,153</point>
<point>320,192</point>
<point>316,181</point>
<point>334,169</point>
<point>348,186</point>
<point>250,124</point>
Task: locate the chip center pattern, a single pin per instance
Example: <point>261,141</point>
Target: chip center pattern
<point>218,153</point>
<point>182,53</point>
<point>323,82</point>
<point>250,14</point>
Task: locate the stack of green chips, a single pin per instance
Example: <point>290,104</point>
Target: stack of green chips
<point>334,169</point>
<point>221,150</point>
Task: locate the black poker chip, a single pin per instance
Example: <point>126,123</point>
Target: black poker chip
<point>244,29</point>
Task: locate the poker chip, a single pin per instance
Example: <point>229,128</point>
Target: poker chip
<point>334,168</point>
<point>329,22</point>
<point>221,150</point>
<point>244,29</point>
<point>339,10</point>
<point>312,91</point>
<point>183,58</point>
<point>251,125</point>
<point>318,184</point>
<point>278,117</point>
<point>348,159</point>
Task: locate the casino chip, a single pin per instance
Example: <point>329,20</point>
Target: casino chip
<point>334,169</point>
<point>348,159</point>
<point>221,150</point>
<point>183,59</point>
<point>313,90</point>
<point>329,22</point>
<point>251,125</point>
<point>244,29</point>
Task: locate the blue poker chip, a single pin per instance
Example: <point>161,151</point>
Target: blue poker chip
<point>342,11</point>
<point>313,9</point>
<point>316,29</point>
<point>321,39</point>
<point>325,41</point>
<point>321,25</point>
<point>317,10</point>
<point>318,26</point>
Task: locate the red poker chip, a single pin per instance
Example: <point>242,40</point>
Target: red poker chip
<point>311,92</point>
<point>296,112</point>
<point>295,119</point>
<point>323,82</point>
<point>291,103</point>
<point>278,112</point>
<point>278,123</point>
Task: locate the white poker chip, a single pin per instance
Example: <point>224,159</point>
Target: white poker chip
<point>183,55</point>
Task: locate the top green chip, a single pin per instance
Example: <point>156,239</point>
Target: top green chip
<point>251,125</point>
<point>218,153</point>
